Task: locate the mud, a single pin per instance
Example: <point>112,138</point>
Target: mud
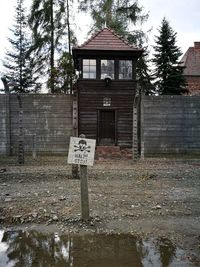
<point>152,197</point>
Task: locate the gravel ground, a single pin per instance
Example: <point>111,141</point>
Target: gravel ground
<point>158,197</point>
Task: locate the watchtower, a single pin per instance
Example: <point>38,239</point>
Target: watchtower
<point>106,88</point>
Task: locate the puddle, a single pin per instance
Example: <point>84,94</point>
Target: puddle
<point>36,249</point>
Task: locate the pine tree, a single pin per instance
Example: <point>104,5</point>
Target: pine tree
<point>64,74</point>
<point>122,16</point>
<point>19,65</point>
<point>169,72</point>
<point>49,20</point>
<point>144,76</point>
<point>119,15</point>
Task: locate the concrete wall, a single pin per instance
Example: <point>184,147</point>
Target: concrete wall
<point>170,124</point>
<point>3,125</point>
<point>47,117</point>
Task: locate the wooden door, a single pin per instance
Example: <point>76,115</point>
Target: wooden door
<point>106,127</point>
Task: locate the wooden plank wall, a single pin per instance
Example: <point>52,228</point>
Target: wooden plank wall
<point>91,95</point>
<point>47,117</point>
<point>170,124</point>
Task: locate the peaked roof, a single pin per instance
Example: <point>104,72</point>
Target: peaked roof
<point>107,39</point>
<point>191,60</point>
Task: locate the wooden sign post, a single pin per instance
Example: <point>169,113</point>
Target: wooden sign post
<point>81,152</point>
<point>85,211</point>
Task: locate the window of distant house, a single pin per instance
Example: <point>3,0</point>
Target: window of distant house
<point>125,69</point>
<point>107,68</point>
<point>89,68</point>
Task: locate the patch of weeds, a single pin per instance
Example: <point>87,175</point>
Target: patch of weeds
<point>146,176</point>
<point>5,160</point>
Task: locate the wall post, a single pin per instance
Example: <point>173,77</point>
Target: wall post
<point>142,127</point>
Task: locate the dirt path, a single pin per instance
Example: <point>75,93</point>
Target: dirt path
<point>149,197</point>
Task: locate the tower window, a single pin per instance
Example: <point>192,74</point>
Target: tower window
<point>107,68</point>
<point>125,69</point>
<point>89,68</point>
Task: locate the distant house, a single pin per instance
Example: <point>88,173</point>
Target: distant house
<point>191,60</point>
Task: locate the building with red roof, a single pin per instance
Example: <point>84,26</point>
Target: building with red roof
<point>191,61</point>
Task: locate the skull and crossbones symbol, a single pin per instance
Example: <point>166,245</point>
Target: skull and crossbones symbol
<point>82,146</point>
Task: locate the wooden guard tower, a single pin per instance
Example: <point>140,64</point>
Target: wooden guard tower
<point>106,88</point>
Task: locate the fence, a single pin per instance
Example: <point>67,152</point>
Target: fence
<point>167,125</point>
<point>46,122</point>
<point>170,124</point>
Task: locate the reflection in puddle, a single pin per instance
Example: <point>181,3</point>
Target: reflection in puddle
<point>35,249</point>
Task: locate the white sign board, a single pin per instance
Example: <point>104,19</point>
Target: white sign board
<point>81,151</point>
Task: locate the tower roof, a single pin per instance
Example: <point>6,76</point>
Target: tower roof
<point>107,39</point>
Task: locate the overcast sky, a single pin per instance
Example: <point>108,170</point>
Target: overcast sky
<point>183,16</point>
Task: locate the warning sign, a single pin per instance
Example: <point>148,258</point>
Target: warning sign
<point>81,151</point>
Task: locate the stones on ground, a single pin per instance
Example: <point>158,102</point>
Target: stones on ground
<point>2,218</point>
<point>2,170</point>
<point>137,205</point>
<point>29,219</point>
<point>61,198</point>
<point>60,188</point>
<point>34,215</point>
<point>97,219</point>
<point>55,218</point>
<point>188,212</point>
<point>157,207</point>
<point>53,201</point>
<point>50,221</point>
<point>76,224</point>
<point>8,199</point>
<point>17,218</point>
